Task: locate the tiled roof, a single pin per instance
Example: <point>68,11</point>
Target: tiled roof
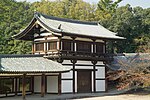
<point>67,26</point>
<point>29,64</point>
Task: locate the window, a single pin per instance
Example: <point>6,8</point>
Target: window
<point>39,46</point>
<point>84,46</point>
<point>52,45</point>
<point>99,47</point>
<point>66,45</point>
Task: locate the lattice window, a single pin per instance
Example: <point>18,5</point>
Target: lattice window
<point>84,46</point>
<point>52,45</point>
<point>39,46</point>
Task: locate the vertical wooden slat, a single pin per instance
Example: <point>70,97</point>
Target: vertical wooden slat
<point>24,87</point>
<point>59,83</point>
<point>42,85</point>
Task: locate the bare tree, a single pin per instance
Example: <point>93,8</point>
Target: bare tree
<point>134,71</point>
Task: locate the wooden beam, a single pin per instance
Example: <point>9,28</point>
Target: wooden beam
<point>24,86</point>
<point>59,83</point>
<point>42,85</point>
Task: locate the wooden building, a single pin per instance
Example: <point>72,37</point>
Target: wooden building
<point>78,45</point>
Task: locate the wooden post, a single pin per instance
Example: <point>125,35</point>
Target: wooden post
<point>33,49</point>
<point>16,85</point>
<point>94,63</point>
<point>32,84</point>
<point>24,87</point>
<point>73,62</point>
<point>59,83</point>
<point>42,85</point>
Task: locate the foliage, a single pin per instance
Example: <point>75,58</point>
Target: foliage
<point>134,72</point>
<point>14,16</point>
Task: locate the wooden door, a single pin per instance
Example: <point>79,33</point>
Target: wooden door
<point>84,84</point>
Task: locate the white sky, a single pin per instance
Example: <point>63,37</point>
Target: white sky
<point>133,3</point>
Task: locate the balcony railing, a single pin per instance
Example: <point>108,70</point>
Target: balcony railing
<point>79,55</point>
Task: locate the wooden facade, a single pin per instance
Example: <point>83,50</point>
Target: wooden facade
<point>74,44</point>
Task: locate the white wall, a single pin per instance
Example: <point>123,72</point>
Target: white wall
<point>37,84</point>
<point>67,75</point>
<point>100,85</point>
<point>100,73</point>
<point>52,84</point>
<point>67,86</point>
<point>84,62</point>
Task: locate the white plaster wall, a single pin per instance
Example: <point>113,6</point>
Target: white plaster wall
<point>100,73</point>
<point>100,63</point>
<point>38,39</point>
<point>99,41</point>
<point>83,39</point>
<point>100,85</point>
<point>75,81</point>
<point>52,84</point>
<point>58,46</point>
<point>92,81</point>
<point>45,44</point>
<point>66,62</point>
<point>52,38</point>
<point>37,84</point>
<point>84,67</point>
<point>67,37</point>
<point>84,62</point>
<point>67,86</point>
<point>67,75</point>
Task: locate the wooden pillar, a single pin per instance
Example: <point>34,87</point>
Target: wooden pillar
<point>24,87</point>
<point>73,62</point>
<point>33,49</point>
<point>45,45</point>
<point>59,45</point>
<point>32,84</point>
<point>42,85</point>
<point>94,68</point>
<point>13,84</point>
<point>16,85</point>
<point>94,75</point>
<point>59,83</point>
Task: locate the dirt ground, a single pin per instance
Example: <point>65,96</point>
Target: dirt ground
<point>119,97</point>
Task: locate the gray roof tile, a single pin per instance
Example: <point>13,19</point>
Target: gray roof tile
<point>29,64</point>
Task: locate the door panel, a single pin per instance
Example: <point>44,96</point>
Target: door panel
<point>84,81</point>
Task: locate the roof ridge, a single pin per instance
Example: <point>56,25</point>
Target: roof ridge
<point>37,14</point>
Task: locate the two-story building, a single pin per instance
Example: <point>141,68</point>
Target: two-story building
<point>78,45</point>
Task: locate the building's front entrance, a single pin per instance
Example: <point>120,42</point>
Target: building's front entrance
<point>84,83</point>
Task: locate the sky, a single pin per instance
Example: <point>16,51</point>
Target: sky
<point>133,3</point>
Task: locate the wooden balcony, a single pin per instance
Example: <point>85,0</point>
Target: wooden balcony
<point>79,56</point>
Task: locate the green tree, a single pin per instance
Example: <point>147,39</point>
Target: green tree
<point>14,16</point>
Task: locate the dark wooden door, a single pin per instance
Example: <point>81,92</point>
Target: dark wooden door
<point>84,82</point>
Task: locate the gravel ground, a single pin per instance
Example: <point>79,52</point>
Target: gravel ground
<point>119,97</point>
